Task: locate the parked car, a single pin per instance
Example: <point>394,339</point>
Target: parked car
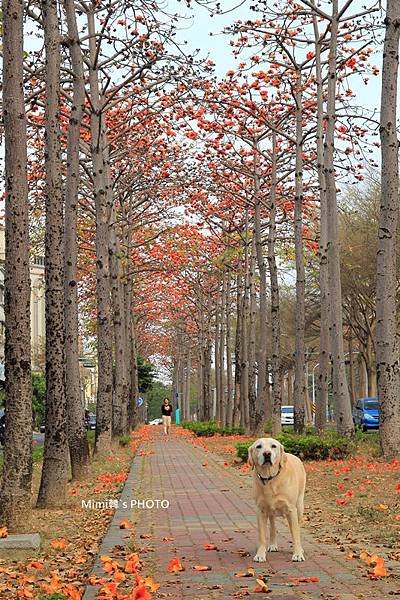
<point>366,413</point>
<point>42,427</point>
<point>91,422</point>
<point>155,422</point>
<point>287,415</point>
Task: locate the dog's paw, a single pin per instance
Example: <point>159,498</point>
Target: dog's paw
<point>260,557</point>
<point>272,548</point>
<point>298,556</point>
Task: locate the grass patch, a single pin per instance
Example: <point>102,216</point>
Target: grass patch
<point>210,428</point>
<point>124,440</point>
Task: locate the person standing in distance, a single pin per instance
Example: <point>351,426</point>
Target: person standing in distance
<point>166,410</point>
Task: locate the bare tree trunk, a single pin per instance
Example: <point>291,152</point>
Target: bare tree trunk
<point>362,383</point>
<point>290,387</point>
<point>187,386</point>
<point>256,418</point>
<point>236,417</point>
<point>323,373</point>
<point>207,375</point>
<point>217,365</point>
<point>351,372</point>
<point>222,343</point>
<point>101,195</point>
<point>119,414</point>
<point>244,391</point>
<point>262,335</point>
<point>299,368</point>
<point>268,401</point>
<point>200,403</point>
<point>53,484</point>
<point>229,402</point>
<point>16,484</point>
<point>343,414</point>
<point>133,412</point>
<point>76,431</point>
<point>387,346</point>
<point>275,307</point>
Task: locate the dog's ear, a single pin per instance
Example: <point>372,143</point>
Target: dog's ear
<point>250,459</point>
<point>282,456</point>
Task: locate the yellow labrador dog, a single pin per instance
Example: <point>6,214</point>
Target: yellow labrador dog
<point>279,483</point>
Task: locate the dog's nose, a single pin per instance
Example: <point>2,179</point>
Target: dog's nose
<point>267,454</point>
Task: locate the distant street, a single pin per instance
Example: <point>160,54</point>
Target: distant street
<point>38,440</point>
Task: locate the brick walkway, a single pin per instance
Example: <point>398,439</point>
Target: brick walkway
<point>213,504</point>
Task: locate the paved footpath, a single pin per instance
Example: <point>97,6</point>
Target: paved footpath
<point>212,504</point>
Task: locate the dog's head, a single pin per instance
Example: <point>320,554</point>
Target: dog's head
<point>266,452</point>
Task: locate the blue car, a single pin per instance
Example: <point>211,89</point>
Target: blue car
<point>366,413</point>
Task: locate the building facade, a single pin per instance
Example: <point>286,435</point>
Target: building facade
<point>37,308</point>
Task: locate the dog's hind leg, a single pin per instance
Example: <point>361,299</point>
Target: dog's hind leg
<point>273,545</point>
<point>300,508</point>
<point>262,537</point>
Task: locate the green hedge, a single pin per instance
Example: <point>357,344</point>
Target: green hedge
<point>210,428</point>
<point>307,447</point>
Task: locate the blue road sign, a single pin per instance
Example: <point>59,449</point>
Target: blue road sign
<point>139,402</point>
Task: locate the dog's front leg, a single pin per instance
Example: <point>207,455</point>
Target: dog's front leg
<point>273,544</point>
<point>298,552</point>
<point>261,555</point>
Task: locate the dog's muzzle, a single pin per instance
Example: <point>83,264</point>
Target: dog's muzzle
<point>267,458</point>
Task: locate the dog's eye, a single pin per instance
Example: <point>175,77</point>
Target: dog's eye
<point>273,446</point>
<point>259,446</point>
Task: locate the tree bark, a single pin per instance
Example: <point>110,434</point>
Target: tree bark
<point>343,414</point>
<point>217,365</point>
<point>188,385</point>
<point>15,494</point>
<point>387,346</point>
<point>104,334</point>
<point>121,388</point>
<point>76,430</point>
<point>255,417</point>
<point>262,334</point>
<point>236,417</point>
<point>244,388</point>
<point>53,482</point>
<point>275,305</point>
<point>299,367</point>
<point>133,412</point>
<point>324,363</point>
<point>222,343</point>
<point>229,402</point>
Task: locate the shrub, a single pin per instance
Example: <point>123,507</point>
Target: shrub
<point>210,428</point>
<point>307,447</point>
<point>124,440</point>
